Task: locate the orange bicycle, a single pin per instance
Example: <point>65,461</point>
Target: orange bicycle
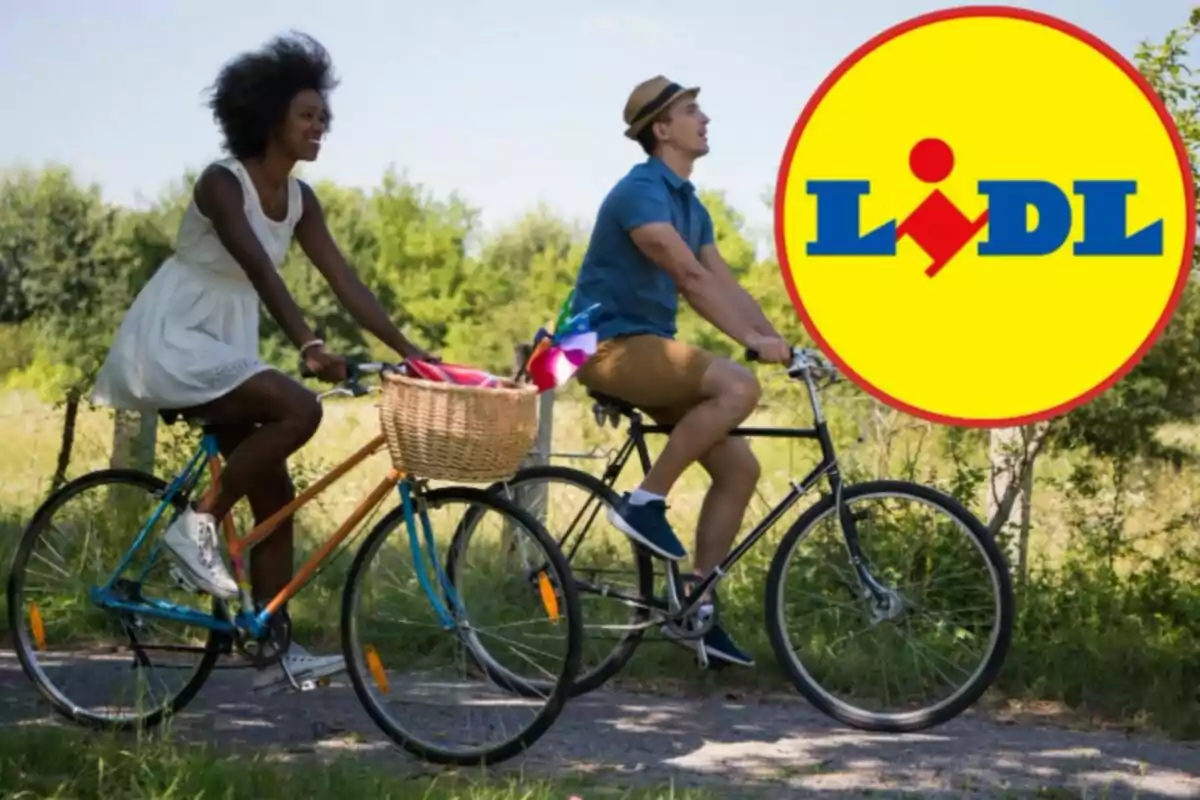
<point>145,594</point>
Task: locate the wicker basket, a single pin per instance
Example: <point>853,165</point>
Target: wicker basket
<point>441,431</point>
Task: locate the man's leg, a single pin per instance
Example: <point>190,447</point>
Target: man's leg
<point>734,471</point>
<point>655,373</point>
<point>728,395</point>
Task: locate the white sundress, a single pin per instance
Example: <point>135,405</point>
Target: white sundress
<point>191,335</point>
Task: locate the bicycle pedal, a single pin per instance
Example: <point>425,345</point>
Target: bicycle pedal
<point>309,684</point>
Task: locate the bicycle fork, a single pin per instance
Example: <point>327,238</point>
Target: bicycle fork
<point>419,554</point>
<point>886,603</point>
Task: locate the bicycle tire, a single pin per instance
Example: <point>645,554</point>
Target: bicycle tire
<point>354,662</point>
<point>22,645</point>
<point>619,656</point>
<point>924,718</point>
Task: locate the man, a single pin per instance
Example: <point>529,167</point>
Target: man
<point>653,241</point>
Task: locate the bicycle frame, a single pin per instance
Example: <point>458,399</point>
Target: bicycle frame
<point>827,467</point>
<point>207,455</point>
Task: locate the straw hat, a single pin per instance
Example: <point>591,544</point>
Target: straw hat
<point>650,97</point>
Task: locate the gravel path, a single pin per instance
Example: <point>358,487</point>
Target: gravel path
<point>743,747</point>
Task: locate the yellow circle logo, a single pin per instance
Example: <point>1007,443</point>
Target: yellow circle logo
<point>985,216</point>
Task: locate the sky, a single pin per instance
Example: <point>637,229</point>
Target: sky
<point>509,104</point>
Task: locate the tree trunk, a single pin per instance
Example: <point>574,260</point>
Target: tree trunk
<point>1011,455</point>
<point>67,444</point>
<point>1026,523</point>
<point>533,498</point>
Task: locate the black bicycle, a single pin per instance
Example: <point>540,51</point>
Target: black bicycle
<point>852,568</point>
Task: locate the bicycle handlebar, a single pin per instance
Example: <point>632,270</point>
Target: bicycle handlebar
<point>355,369</point>
<point>804,360</point>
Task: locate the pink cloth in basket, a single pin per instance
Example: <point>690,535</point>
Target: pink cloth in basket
<point>457,374</point>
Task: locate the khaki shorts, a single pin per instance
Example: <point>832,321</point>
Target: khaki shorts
<point>659,376</point>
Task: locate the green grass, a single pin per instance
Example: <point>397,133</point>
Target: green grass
<point>1108,616</point>
<point>65,763</point>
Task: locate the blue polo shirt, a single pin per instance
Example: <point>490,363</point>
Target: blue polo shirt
<point>635,295</point>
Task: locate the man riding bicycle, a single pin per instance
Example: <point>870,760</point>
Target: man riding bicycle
<point>653,241</point>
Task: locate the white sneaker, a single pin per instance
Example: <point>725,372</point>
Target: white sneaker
<point>303,665</point>
<point>192,539</point>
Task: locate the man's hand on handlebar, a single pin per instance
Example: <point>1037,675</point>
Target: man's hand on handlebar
<point>769,349</point>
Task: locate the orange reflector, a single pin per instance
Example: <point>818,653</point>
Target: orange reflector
<point>37,626</point>
<point>376,667</point>
<point>549,599</point>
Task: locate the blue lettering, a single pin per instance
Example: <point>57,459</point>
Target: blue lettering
<point>1104,211</point>
<point>838,222</point>
<point>1105,222</point>
<point>1008,218</point>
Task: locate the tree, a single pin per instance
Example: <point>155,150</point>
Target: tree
<point>515,286</point>
<point>56,256</point>
<point>405,245</point>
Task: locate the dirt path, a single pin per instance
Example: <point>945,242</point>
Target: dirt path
<point>777,748</point>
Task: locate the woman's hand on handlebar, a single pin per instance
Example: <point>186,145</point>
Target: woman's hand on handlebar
<point>326,366</point>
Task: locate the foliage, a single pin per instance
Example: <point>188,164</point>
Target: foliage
<point>70,265</point>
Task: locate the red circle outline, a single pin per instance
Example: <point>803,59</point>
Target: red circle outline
<point>1026,15</point>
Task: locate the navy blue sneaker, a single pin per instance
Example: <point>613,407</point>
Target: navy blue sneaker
<point>719,645</point>
<point>647,525</point>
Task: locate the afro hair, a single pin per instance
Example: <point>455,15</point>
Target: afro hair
<point>253,92</point>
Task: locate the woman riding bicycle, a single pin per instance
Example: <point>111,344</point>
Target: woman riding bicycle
<point>189,342</point>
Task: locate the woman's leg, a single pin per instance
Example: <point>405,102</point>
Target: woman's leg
<point>287,415</point>
<point>273,559</point>
<point>278,416</point>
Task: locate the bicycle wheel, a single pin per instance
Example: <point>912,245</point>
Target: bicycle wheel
<point>75,540</point>
<point>821,674</point>
<point>609,568</point>
<point>413,594</point>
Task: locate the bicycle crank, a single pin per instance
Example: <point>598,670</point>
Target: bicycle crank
<point>695,624</point>
<point>268,649</point>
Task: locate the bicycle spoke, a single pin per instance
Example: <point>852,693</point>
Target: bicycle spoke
<point>114,669</point>
<point>419,663</point>
<point>920,636</point>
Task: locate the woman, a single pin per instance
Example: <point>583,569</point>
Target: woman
<point>189,342</point>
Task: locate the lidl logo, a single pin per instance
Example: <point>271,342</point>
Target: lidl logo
<point>985,216</point>
<point>941,229</point>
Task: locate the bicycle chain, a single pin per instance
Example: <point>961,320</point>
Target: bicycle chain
<point>270,648</point>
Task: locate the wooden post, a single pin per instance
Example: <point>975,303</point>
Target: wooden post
<point>533,498</point>
<point>135,437</point>
<point>134,445</point>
